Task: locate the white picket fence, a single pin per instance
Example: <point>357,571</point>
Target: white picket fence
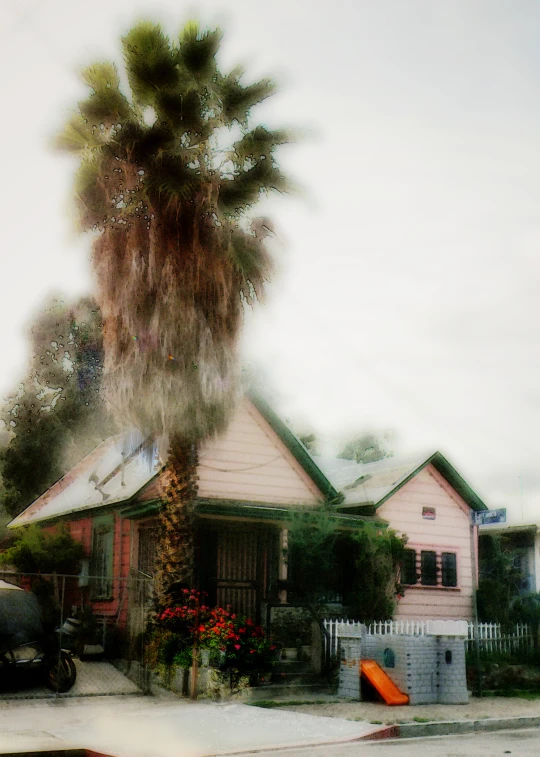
<point>492,638</point>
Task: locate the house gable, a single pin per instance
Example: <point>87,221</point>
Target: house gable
<point>447,531</point>
<point>249,463</point>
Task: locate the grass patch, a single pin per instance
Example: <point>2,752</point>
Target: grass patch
<point>422,720</point>
<point>515,693</point>
<point>376,722</point>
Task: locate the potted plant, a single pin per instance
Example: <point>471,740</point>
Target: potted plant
<point>291,633</point>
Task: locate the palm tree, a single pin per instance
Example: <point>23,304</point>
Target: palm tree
<point>168,175</point>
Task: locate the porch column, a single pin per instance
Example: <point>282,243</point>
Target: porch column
<point>282,563</point>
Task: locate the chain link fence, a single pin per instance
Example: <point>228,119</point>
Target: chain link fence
<point>103,624</point>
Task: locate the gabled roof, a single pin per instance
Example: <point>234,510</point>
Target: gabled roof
<point>374,483</point>
<point>113,472</point>
<point>119,468</point>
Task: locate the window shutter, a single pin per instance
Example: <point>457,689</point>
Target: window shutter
<point>449,569</point>
<point>101,562</point>
<point>429,568</point>
<point>408,568</point>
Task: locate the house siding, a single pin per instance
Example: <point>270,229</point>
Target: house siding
<point>251,464</point>
<point>81,530</point>
<point>450,531</point>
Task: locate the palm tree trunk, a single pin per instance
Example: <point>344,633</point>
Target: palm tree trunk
<point>175,566</point>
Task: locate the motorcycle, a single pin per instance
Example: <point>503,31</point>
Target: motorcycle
<point>27,649</point>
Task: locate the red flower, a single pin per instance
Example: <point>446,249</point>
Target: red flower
<point>237,646</point>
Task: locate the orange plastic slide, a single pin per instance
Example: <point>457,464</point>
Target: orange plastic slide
<point>378,678</point>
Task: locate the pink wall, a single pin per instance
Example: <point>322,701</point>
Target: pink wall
<point>81,530</point>
<point>449,531</point>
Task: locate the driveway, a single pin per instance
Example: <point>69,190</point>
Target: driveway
<point>93,679</point>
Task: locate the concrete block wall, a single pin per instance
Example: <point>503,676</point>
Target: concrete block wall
<point>415,664</point>
<point>420,668</point>
<point>349,668</point>
<point>452,670</point>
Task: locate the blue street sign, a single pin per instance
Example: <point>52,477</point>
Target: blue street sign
<point>488,517</point>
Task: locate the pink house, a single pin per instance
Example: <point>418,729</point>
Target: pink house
<point>429,502</point>
<point>248,481</point>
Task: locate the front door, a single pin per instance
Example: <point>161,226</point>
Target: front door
<point>239,566</point>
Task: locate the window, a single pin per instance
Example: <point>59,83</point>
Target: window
<point>101,561</point>
<point>429,567</point>
<point>408,569</point>
<point>449,569</point>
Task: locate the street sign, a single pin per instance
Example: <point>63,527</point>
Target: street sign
<point>488,517</point>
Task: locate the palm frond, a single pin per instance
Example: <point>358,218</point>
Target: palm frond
<point>150,61</point>
<point>171,180</point>
<point>252,262</point>
<point>77,136</point>
<point>90,198</point>
<point>102,75</point>
<point>259,142</point>
<point>149,142</point>
<point>239,193</point>
<point>238,100</point>
<point>106,104</point>
<point>198,49</point>
<point>187,114</point>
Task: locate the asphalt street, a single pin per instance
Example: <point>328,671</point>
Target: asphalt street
<point>525,743</point>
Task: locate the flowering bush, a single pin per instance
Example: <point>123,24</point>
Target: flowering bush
<point>241,644</point>
<point>238,646</point>
<point>185,619</point>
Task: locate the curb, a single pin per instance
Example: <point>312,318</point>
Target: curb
<point>454,727</point>
<point>402,731</point>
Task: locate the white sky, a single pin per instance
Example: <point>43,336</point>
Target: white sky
<point>407,297</point>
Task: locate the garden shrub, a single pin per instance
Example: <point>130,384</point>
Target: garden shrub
<point>357,568</point>
<point>238,647</point>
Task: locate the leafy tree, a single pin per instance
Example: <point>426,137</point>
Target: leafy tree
<point>500,580</point>
<point>378,555</point>
<point>367,448</point>
<point>39,551</point>
<point>361,565</point>
<point>168,174</point>
<point>526,609</point>
<point>55,415</point>
<point>312,558</point>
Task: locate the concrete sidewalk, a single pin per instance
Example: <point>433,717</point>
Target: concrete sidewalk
<point>154,727</point>
<point>136,726</point>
